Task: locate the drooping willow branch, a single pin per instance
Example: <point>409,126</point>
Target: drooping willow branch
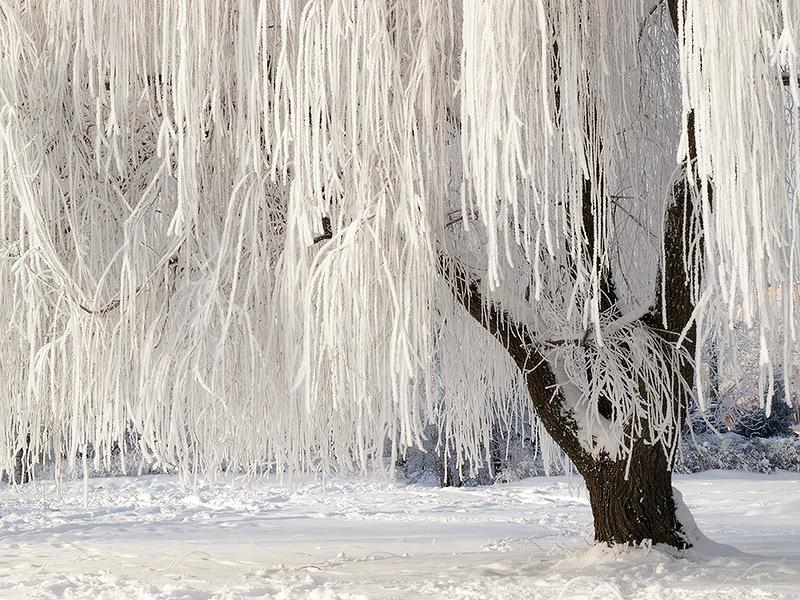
<point>544,389</point>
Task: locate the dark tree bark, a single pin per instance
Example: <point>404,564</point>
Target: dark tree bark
<point>632,500</point>
<point>638,505</point>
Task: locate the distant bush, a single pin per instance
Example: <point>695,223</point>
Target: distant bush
<point>732,451</point>
<point>728,451</point>
<point>741,410</point>
<point>748,419</point>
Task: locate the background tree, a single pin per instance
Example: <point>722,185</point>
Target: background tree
<point>280,211</point>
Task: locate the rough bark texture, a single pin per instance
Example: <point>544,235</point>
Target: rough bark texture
<point>637,507</point>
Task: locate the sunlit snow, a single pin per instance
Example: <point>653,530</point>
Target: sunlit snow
<point>149,538</point>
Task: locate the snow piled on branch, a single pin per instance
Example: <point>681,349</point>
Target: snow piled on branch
<point>220,222</point>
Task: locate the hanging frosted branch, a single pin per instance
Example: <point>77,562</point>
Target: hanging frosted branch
<point>220,221</point>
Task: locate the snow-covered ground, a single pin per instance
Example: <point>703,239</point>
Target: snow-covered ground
<point>147,537</point>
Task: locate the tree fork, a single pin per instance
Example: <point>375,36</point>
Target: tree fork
<point>631,499</point>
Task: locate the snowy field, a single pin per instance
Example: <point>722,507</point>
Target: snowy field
<point>148,538</point>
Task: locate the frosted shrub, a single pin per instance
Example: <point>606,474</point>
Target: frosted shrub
<point>735,452</point>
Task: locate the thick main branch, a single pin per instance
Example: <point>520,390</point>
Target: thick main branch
<point>547,398</point>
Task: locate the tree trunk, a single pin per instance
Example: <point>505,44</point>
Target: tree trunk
<point>639,507</point>
<point>22,467</point>
<point>628,509</point>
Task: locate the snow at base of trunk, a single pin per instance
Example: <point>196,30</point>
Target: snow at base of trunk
<point>148,538</point>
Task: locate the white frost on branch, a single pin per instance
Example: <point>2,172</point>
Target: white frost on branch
<point>220,220</point>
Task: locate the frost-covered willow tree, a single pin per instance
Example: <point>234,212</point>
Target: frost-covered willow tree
<point>292,234</point>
